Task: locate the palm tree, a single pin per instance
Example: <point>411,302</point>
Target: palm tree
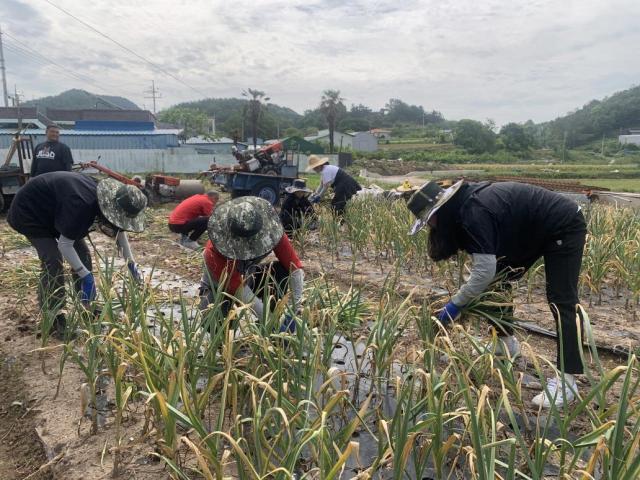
<point>254,109</point>
<point>330,106</point>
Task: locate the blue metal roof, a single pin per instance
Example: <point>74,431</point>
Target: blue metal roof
<point>93,125</point>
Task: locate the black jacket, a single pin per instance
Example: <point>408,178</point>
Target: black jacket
<point>294,210</point>
<point>51,157</point>
<point>510,220</point>
<point>55,203</point>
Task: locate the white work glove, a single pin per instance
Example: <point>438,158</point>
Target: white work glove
<point>296,284</point>
<point>246,295</point>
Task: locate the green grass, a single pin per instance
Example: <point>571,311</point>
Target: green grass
<point>614,184</point>
<point>558,171</point>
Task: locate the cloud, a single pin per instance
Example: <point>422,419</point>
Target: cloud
<point>501,59</point>
<point>23,18</point>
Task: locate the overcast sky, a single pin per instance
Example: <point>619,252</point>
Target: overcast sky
<point>509,60</point>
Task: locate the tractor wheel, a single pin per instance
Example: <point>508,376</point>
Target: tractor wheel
<point>2,202</point>
<point>267,191</point>
<point>271,170</point>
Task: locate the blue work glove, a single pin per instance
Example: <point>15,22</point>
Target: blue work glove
<point>288,324</point>
<point>448,314</point>
<point>314,199</point>
<point>87,289</point>
<point>133,270</point>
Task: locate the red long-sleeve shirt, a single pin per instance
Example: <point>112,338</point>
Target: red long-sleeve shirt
<point>223,267</point>
<point>195,206</point>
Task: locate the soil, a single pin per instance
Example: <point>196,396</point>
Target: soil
<point>21,451</point>
<point>42,427</point>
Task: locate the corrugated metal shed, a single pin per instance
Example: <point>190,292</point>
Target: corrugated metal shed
<point>67,115</point>
<point>104,140</point>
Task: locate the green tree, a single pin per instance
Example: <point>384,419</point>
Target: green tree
<point>474,136</point>
<point>254,109</point>
<point>515,138</point>
<point>193,121</point>
<point>354,124</point>
<point>292,132</point>
<point>331,106</point>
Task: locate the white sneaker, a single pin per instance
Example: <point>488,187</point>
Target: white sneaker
<point>183,238</point>
<point>191,244</point>
<point>508,346</point>
<point>558,396</point>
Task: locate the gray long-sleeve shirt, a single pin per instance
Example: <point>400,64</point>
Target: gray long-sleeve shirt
<point>69,253</point>
<point>483,271</point>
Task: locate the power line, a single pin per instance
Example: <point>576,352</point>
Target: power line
<point>24,48</point>
<point>42,60</point>
<point>124,47</point>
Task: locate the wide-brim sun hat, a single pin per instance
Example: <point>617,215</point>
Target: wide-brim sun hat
<point>245,228</point>
<point>427,201</point>
<point>298,185</point>
<point>315,161</point>
<point>122,205</point>
<point>405,187</point>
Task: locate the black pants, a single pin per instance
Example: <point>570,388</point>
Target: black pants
<point>293,223</point>
<point>562,261</point>
<point>51,290</point>
<point>193,228</point>
<point>267,280</point>
<point>340,199</point>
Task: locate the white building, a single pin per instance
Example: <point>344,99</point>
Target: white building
<point>633,139</point>
<point>359,141</point>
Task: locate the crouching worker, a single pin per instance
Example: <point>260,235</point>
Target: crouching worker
<point>55,211</point>
<point>507,227</point>
<point>191,216</point>
<point>242,232</point>
<point>296,209</point>
<point>344,185</point>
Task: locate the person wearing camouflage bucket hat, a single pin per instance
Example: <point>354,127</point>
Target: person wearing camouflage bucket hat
<point>242,232</point>
<point>122,205</point>
<point>55,211</point>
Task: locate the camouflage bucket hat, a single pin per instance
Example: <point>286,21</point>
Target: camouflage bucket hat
<point>123,205</point>
<point>245,228</point>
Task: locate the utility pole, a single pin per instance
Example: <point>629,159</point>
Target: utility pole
<point>153,94</point>
<point>16,103</point>
<point>4,73</point>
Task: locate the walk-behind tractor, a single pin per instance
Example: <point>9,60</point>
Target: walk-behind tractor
<point>157,188</point>
<point>264,174</point>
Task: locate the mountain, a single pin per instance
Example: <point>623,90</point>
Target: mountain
<point>81,99</point>
<point>228,113</point>
<point>596,119</point>
<point>276,119</point>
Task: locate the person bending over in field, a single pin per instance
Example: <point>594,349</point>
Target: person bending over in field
<point>55,211</point>
<point>242,232</point>
<point>191,216</point>
<point>344,185</point>
<point>506,227</point>
<point>296,208</point>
